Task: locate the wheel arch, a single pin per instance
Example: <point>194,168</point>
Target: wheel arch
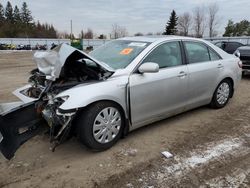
<point>232,82</point>
<point>124,114</point>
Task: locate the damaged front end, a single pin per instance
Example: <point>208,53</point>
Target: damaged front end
<point>38,111</point>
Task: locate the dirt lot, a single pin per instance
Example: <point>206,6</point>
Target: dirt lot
<point>211,148</point>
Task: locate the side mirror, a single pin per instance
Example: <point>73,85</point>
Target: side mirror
<point>149,68</point>
<point>237,53</point>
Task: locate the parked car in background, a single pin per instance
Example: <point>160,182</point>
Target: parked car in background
<point>244,53</point>
<point>228,46</point>
<point>121,86</point>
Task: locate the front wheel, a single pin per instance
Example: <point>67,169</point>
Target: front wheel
<point>222,94</point>
<point>100,126</point>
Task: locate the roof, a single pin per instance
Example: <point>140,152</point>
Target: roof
<point>154,38</point>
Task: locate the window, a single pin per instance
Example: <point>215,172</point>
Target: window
<point>118,54</point>
<point>232,46</point>
<point>166,55</point>
<point>196,52</point>
<point>214,56</point>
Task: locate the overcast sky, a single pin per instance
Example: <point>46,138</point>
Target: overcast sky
<point>136,15</point>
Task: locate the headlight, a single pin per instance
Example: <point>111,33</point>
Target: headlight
<point>237,53</point>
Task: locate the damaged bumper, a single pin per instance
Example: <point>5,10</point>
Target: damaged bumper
<point>18,123</point>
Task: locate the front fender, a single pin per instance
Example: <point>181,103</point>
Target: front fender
<point>83,95</point>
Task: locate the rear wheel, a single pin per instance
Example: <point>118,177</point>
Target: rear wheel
<point>222,94</point>
<point>100,126</point>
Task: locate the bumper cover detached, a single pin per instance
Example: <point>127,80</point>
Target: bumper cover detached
<point>18,123</point>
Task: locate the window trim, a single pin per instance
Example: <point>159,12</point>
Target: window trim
<point>135,70</point>
<point>202,44</point>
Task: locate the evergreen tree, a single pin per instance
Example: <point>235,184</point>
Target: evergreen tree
<point>20,23</point>
<point>171,27</point>
<point>16,15</point>
<point>229,29</point>
<point>2,18</point>
<point>26,14</point>
<point>241,28</point>
<point>9,13</point>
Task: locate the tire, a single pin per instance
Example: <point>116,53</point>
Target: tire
<point>222,94</point>
<point>96,132</point>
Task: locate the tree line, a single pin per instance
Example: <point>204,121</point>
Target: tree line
<point>18,22</point>
<point>195,23</point>
<point>204,19</point>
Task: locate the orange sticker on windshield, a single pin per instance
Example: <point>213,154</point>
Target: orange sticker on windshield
<point>126,51</point>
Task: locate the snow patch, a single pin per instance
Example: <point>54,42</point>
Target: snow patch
<point>199,157</point>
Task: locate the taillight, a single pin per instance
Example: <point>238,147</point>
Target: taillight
<point>240,64</point>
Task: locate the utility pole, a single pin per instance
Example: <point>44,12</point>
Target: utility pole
<point>71,34</point>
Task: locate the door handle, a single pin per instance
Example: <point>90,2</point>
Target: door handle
<point>182,74</point>
<point>220,66</point>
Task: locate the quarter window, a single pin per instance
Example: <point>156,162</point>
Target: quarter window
<point>214,56</point>
<point>166,55</point>
<point>196,52</point>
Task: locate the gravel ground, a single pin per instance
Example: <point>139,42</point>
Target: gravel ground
<point>211,148</point>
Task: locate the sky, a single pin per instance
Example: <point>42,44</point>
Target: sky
<point>136,15</point>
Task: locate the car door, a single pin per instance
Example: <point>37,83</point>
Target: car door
<point>154,96</point>
<point>204,66</point>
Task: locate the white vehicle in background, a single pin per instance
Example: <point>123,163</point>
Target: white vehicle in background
<point>119,87</point>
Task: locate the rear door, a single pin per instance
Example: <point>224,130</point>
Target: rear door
<point>204,67</point>
<point>154,96</point>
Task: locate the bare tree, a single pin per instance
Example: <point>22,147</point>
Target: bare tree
<point>213,20</point>
<point>81,35</point>
<point>199,21</point>
<point>184,23</point>
<point>118,31</point>
<point>89,34</point>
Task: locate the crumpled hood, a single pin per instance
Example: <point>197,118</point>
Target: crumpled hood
<point>51,62</point>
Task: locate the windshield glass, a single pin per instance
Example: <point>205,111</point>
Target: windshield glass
<point>119,54</point>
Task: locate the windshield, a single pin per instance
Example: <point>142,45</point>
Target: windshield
<point>119,54</point>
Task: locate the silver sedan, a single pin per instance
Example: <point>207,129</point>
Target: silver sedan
<point>119,87</point>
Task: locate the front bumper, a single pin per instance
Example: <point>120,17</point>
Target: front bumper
<point>18,123</point>
<point>245,64</point>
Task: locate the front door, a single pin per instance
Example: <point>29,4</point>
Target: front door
<point>154,96</point>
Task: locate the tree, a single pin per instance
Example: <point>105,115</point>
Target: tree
<point>199,21</point>
<point>2,18</point>
<point>81,35</point>
<point>184,23</point>
<point>229,29</point>
<point>9,13</point>
<point>171,27</point>
<point>89,34</point>
<point>213,21</point>
<point>16,15</point>
<point>241,28</point>
<point>26,14</point>
<point>118,31</point>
